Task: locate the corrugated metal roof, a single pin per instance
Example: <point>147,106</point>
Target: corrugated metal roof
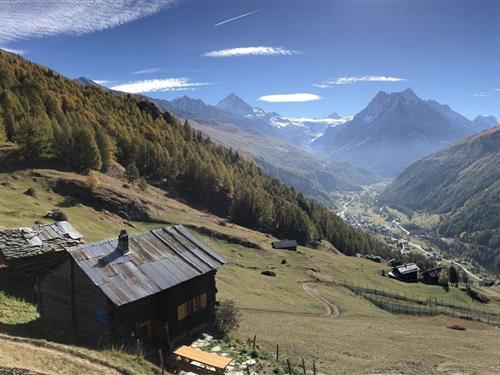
<point>156,260</point>
<point>40,239</point>
<point>407,268</point>
<point>284,244</point>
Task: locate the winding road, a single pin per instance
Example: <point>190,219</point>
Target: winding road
<point>330,309</point>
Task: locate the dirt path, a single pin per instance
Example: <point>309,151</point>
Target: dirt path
<point>331,310</point>
<point>47,358</point>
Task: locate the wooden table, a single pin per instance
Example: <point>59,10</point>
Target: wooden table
<point>216,363</point>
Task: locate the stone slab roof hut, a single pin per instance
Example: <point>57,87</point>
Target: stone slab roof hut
<point>285,244</point>
<point>158,286</point>
<point>27,251</point>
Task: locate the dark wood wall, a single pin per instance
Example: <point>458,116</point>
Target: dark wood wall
<point>163,307</point>
<point>69,301</point>
<point>19,277</point>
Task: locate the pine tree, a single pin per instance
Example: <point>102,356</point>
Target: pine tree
<point>104,146</point>
<point>34,136</point>
<point>453,276</point>
<point>443,279</point>
<point>85,153</point>
<point>132,173</point>
<point>3,134</point>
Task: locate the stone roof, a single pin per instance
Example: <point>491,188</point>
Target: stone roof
<point>40,239</point>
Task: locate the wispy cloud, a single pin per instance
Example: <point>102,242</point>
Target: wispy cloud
<point>251,51</point>
<point>102,82</point>
<point>235,18</point>
<point>27,19</point>
<point>487,92</point>
<point>290,98</point>
<point>481,94</point>
<point>156,85</point>
<point>147,71</point>
<point>351,80</point>
<point>13,50</point>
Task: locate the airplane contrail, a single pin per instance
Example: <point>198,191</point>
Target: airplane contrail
<point>235,18</point>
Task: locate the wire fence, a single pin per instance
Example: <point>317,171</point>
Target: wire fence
<point>397,303</point>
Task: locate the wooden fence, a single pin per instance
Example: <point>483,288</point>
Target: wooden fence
<point>397,303</point>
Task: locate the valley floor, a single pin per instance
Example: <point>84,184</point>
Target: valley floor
<point>304,308</point>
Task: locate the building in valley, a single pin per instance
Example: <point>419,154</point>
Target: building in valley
<point>405,272</point>
<point>158,286</point>
<point>285,244</point>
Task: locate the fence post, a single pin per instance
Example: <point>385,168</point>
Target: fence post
<point>254,339</point>
<point>314,368</point>
<point>289,367</point>
<point>162,365</point>
<point>304,366</point>
<point>277,353</point>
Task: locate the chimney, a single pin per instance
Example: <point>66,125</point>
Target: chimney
<point>123,241</point>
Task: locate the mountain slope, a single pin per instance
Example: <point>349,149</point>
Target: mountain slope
<point>461,182</point>
<point>62,123</point>
<point>236,124</point>
<point>394,130</point>
<point>482,122</point>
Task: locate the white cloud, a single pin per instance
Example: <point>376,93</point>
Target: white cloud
<point>235,18</point>
<point>350,80</point>
<point>325,120</point>
<point>290,98</point>
<point>251,51</point>
<point>481,94</point>
<point>102,82</point>
<point>156,85</point>
<point>13,50</point>
<point>147,71</point>
<point>27,19</point>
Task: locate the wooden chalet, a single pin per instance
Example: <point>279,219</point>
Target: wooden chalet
<point>157,286</point>
<point>431,276</point>
<point>27,251</point>
<point>285,244</point>
<point>405,272</point>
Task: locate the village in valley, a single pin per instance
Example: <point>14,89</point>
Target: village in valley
<point>399,231</point>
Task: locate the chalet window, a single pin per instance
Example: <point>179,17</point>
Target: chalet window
<point>191,306</point>
<point>144,330</point>
<point>181,311</point>
<point>203,301</point>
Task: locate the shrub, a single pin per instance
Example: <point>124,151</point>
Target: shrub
<point>143,184</point>
<point>227,317</point>
<point>457,327</point>
<point>269,273</point>
<point>92,180</point>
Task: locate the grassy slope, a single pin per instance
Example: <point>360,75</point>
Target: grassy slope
<point>364,339</point>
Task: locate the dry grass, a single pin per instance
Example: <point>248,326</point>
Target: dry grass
<point>363,340</point>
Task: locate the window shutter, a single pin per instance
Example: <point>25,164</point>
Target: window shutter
<point>203,300</point>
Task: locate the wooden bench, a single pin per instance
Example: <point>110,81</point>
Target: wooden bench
<point>200,362</point>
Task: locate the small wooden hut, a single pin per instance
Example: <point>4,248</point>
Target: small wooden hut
<point>431,276</point>
<point>26,252</point>
<point>405,272</point>
<point>285,244</point>
<point>157,286</point>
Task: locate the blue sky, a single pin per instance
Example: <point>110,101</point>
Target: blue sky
<point>336,55</point>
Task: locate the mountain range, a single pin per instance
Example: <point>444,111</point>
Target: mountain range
<point>461,183</point>
<point>394,130</point>
<point>273,142</point>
